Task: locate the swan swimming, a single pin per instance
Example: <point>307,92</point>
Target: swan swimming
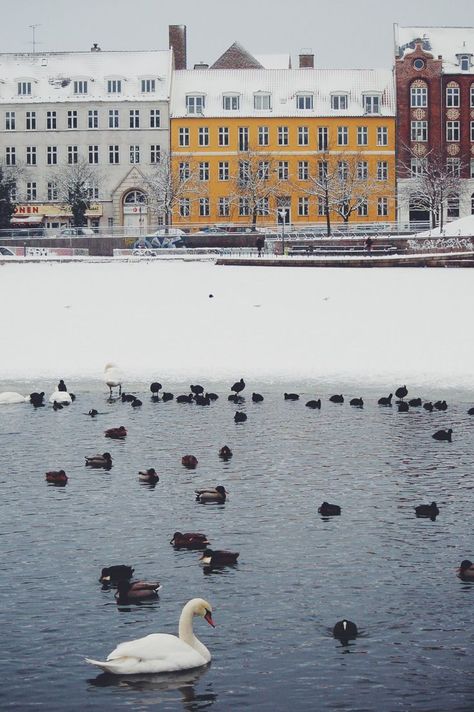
<point>10,398</point>
<point>60,397</point>
<point>160,652</point>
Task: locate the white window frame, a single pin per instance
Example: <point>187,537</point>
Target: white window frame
<point>24,88</point>
<point>419,131</point>
<point>323,138</point>
<point>195,103</point>
<point>72,119</point>
<point>80,86</point>
<point>31,190</point>
<point>263,136</point>
<point>93,153</point>
<point>283,170</point>
<point>342,135</point>
<point>453,131</point>
<point>262,101</point>
<point>223,171</point>
<point>453,97</point>
<point>10,155</point>
<point>362,135</point>
<point>155,153</point>
<point>10,121</point>
<point>303,170</point>
<point>382,170</point>
<point>363,209</point>
<point>184,207</point>
<point>231,102</point>
<point>30,121</point>
<point>303,136</point>
<point>114,119</point>
<point>114,86</point>
<point>283,136</point>
<point>134,153</point>
<point>372,103</point>
<point>204,210</point>
<point>51,120</point>
<point>304,101</point>
<point>183,136</point>
<point>418,96</point>
<point>382,207</point>
<point>339,102</point>
<point>382,136</point>
<point>203,171</point>
<point>31,156</point>
<point>362,170</point>
<point>148,86</point>
<point>114,154</point>
<point>155,118</point>
<point>203,136</point>
<point>72,155</point>
<point>51,155</point>
<point>223,135</point>
<point>303,207</point>
<point>93,119</point>
<point>134,118</point>
<point>223,207</point>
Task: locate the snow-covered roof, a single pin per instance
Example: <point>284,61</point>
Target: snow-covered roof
<point>274,61</point>
<point>52,75</point>
<point>448,42</point>
<point>284,85</point>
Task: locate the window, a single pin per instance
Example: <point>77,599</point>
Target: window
<point>184,208</point>
<point>231,102</point>
<point>418,96</point>
<point>382,207</point>
<point>31,155</point>
<point>184,137</point>
<point>203,136</point>
<point>453,207</point>
<point>31,120</point>
<point>472,96</point>
<point>93,192</point>
<point>223,173</point>
<point>243,138</point>
<point>452,96</point>
<point>283,135</point>
<point>80,87</point>
<point>52,155</point>
<point>338,102</point>
<point>263,170</point>
<point>93,154</point>
<point>472,204</point>
<point>155,119</point>
<point>72,154</point>
<point>342,135</point>
<point>24,88</point>
<point>303,170</point>
<point>204,207</point>
<point>195,104</point>
<point>322,138</point>
<point>134,118</point>
<point>72,119</point>
<point>148,86</point>
<point>419,64</point>
<point>262,102</point>
<point>454,166</point>
<point>382,136</point>
<point>9,121</point>
<point>303,207</point>
<point>416,167</point>
<point>243,173</point>
<point>362,136</point>
<point>244,207</point>
<point>472,168</point>
<point>114,86</point>
<point>303,136</point>
<point>114,156</point>
<point>13,193</point>
<point>371,103</point>
<point>362,209</point>
<point>224,207</point>
<point>262,207</point>
<point>31,190</point>
<point>282,170</point>
<point>52,191</point>
<point>51,120</point>
<point>134,154</point>
<point>155,153</point>
<point>223,136</point>
<point>10,156</point>
<point>472,130</point>
<point>321,207</point>
<point>304,101</point>
<point>204,171</point>
<point>452,130</point>
<point>382,170</point>
<point>93,119</point>
<point>465,63</point>
<point>342,170</point>
<point>322,171</point>
<point>263,136</point>
<point>419,131</point>
<point>184,172</point>
<point>362,170</point>
<point>114,119</point>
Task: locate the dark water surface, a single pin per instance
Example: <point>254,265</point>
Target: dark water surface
<point>376,564</point>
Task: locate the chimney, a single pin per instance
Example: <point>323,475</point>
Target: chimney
<point>177,35</point>
<point>306,59</point>
<point>201,65</point>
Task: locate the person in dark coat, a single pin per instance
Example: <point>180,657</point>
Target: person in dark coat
<point>368,244</point>
<point>260,244</point>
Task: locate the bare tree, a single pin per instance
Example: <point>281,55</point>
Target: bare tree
<point>433,181</point>
<point>171,181</point>
<point>8,178</point>
<point>257,180</point>
<point>75,184</point>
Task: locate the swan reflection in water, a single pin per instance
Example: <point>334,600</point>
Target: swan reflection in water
<point>184,682</point>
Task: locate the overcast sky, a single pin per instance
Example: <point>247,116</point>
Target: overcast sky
<point>342,33</point>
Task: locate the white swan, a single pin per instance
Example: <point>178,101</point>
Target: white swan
<point>60,397</point>
<point>113,377</point>
<point>160,652</point>
<point>10,397</point>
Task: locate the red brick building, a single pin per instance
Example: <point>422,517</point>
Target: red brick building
<point>434,76</point>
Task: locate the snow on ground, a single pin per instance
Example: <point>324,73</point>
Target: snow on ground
<point>157,320</point>
<point>464,227</point>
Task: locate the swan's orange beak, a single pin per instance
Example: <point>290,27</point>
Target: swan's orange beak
<point>208,618</point>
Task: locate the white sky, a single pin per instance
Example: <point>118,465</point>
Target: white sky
<point>342,33</point>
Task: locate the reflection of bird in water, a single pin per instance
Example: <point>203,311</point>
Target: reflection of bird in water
<point>345,630</point>
<point>160,652</point>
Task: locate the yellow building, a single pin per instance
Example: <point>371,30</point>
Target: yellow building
<point>283,144</point>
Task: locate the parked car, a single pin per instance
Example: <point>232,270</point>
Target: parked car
<point>6,252</point>
<point>76,232</point>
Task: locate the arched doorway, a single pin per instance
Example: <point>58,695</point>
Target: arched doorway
<point>135,211</point>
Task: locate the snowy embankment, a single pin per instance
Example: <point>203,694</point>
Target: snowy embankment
<point>157,320</point>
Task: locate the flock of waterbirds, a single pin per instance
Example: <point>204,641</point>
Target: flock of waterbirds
<point>164,653</point>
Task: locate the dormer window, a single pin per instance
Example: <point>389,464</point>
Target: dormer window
<point>465,62</point>
<point>304,101</point>
<point>339,102</point>
<point>24,88</point>
<point>231,102</point>
<point>148,86</point>
<point>195,103</point>
<point>114,86</point>
<point>80,86</point>
<point>262,101</point>
<point>371,103</point>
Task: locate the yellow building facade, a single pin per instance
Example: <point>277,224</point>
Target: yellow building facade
<point>243,149</point>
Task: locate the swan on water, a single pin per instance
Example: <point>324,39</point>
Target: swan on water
<point>10,398</point>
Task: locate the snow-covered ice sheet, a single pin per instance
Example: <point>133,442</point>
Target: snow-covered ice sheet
<point>157,320</point>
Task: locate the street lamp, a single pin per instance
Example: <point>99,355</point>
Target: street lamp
<point>282,214</point>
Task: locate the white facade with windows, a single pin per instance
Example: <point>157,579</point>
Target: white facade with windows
<point>110,109</point>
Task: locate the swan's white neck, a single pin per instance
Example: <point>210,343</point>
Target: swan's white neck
<point>186,633</point>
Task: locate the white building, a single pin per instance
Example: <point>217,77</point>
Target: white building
<point>108,108</point>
